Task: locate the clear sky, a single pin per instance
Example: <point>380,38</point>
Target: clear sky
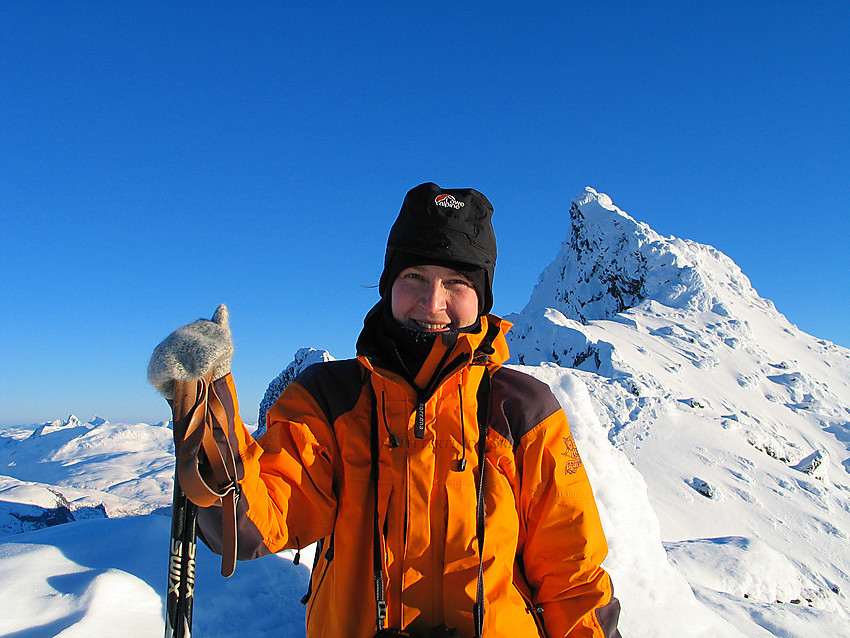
<point>160,158</point>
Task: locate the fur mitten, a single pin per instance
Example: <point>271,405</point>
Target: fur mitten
<point>191,352</point>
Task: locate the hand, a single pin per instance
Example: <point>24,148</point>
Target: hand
<point>191,352</point>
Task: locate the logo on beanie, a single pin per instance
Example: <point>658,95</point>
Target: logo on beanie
<point>448,201</point>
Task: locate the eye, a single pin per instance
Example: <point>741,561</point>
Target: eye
<point>410,278</point>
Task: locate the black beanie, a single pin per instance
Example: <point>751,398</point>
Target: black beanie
<point>444,227</point>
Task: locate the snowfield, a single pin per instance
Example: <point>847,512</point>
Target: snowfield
<point>715,433</point>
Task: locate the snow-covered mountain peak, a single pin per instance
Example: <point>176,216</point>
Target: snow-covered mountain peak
<point>610,263</point>
<point>611,267</point>
<point>590,195</point>
<point>71,424</point>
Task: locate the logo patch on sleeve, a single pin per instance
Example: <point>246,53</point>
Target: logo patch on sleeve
<point>573,460</point>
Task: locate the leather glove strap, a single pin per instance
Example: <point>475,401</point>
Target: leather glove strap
<point>206,468</point>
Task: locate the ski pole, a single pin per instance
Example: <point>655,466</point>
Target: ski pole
<point>184,516</point>
<point>181,566</point>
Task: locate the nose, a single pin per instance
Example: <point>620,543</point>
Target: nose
<point>434,298</point>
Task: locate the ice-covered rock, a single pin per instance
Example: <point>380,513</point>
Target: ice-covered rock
<point>304,358</point>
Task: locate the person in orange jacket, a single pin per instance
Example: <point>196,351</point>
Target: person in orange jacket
<point>444,489</point>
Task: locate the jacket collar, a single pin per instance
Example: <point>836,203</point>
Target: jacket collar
<point>449,353</point>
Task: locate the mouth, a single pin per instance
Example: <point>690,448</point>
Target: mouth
<point>431,327</point>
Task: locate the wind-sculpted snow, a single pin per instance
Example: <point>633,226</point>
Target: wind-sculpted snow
<point>715,433</point>
<point>107,578</point>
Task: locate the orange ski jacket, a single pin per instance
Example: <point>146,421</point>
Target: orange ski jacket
<point>308,478</point>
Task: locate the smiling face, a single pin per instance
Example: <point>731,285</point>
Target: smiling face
<point>434,299</point>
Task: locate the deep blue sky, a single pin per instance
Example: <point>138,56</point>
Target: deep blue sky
<point>159,158</point>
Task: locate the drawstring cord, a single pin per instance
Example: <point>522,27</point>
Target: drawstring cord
<point>461,463</point>
<point>394,443</point>
<point>297,559</point>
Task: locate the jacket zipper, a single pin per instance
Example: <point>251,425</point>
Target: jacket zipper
<point>441,375</point>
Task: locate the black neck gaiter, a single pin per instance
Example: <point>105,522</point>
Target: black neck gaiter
<point>412,346</point>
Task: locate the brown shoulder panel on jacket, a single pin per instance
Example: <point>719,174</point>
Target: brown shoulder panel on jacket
<point>335,385</point>
<point>519,402</point>
<point>608,617</point>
